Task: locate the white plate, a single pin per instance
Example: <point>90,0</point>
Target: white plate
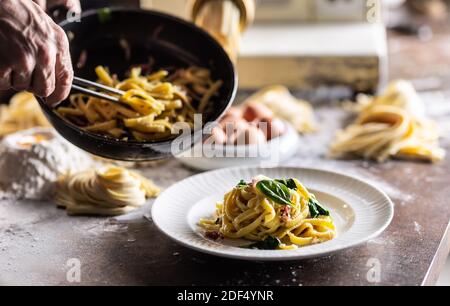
<point>265,155</point>
<point>360,210</point>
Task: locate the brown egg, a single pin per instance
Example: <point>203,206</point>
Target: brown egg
<point>257,111</point>
<point>232,128</point>
<point>272,128</point>
<point>232,115</point>
<point>250,136</point>
<point>226,120</point>
<point>229,120</point>
<point>234,112</point>
<point>217,137</point>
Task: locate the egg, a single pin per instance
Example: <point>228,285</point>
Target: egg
<point>232,115</point>
<point>272,128</point>
<point>218,136</point>
<point>234,112</point>
<point>232,128</point>
<point>228,119</point>
<point>250,136</point>
<point>257,111</point>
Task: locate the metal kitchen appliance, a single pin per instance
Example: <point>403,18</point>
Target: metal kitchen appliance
<point>303,44</point>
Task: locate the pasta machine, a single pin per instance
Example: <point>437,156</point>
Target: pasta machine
<point>303,44</point>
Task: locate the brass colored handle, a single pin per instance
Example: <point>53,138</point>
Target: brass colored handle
<point>246,9</point>
<point>225,20</point>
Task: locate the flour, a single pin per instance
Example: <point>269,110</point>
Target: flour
<point>31,161</point>
<point>417,227</point>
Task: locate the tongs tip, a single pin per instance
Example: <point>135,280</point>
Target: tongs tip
<point>81,85</point>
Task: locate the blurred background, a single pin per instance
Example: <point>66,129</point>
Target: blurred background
<point>341,47</point>
<point>312,43</point>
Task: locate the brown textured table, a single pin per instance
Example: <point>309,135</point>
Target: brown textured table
<point>37,240</point>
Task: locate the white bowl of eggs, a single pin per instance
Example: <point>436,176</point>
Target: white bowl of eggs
<point>245,136</point>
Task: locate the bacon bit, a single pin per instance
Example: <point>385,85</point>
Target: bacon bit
<point>285,214</point>
<point>213,235</point>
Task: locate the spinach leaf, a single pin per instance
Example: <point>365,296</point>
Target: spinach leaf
<point>289,183</point>
<point>270,243</point>
<point>275,191</point>
<point>241,184</point>
<point>313,211</point>
<point>316,210</point>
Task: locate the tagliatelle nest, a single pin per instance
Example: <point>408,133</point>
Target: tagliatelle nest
<point>108,191</point>
<point>391,125</point>
<point>22,113</point>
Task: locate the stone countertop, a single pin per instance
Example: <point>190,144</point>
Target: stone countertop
<point>37,240</point>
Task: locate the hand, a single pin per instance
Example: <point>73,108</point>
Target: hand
<point>34,52</point>
<point>72,5</point>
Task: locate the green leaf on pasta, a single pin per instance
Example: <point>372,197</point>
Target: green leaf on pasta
<point>275,191</point>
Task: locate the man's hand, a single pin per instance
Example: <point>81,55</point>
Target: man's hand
<point>34,52</point>
<point>72,5</point>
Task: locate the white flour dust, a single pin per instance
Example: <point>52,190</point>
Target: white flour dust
<point>417,227</point>
<point>31,161</point>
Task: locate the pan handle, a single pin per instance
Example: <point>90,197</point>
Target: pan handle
<point>225,20</point>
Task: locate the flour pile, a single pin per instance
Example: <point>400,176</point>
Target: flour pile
<point>31,162</point>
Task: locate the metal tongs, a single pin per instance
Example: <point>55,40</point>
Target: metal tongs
<point>84,86</point>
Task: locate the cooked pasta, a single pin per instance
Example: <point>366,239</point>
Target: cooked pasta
<point>109,191</point>
<point>390,126</point>
<point>276,214</point>
<point>150,105</point>
<point>22,113</point>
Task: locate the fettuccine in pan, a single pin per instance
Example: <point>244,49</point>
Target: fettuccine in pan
<point>151,103</point>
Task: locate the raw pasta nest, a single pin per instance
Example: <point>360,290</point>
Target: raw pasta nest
<point>107,191</point>
<point>390,126</point>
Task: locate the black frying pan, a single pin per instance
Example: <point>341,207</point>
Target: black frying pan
<point>171,41</point>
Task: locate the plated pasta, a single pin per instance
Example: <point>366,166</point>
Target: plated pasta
<point>149,107</point>
<point>274,214</point>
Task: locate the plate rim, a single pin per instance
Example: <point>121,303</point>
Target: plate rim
<point>379,231</point>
